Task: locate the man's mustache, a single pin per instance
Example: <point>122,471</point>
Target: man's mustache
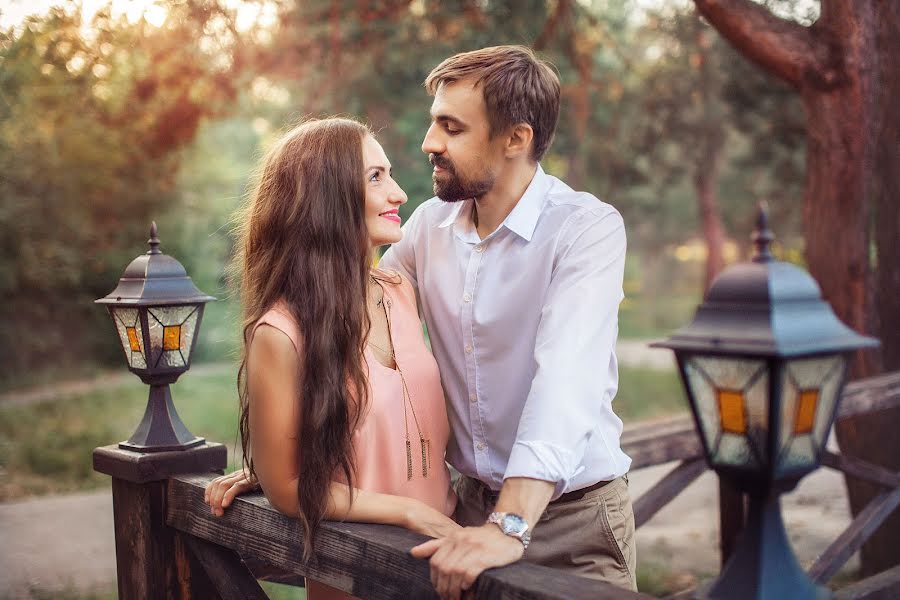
<point>438,160</point>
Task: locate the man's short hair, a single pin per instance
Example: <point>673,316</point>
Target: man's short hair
<point>518,87</point>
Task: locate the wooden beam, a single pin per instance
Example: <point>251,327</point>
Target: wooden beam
<point>666,489</point>
<point>872,394</point>
<point>266,572</point>
<point>860,469</point>
<point>226,570</point>
<point>368,561</point>
<point>732,518</point>
<point>865,523</point>
<point>663,441</point>
<point>882,586</point>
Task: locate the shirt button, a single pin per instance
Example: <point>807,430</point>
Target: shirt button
<point>468,349</point>
<point>479,248</point>
<point>480,446</point>
<point>472,397</point>
<point>467,298</point>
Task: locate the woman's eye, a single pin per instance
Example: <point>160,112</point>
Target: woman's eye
<point>376,176</point>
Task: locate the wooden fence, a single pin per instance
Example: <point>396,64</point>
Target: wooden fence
<point>169,546</point>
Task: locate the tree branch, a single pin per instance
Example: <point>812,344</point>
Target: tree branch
<point>784,48</point>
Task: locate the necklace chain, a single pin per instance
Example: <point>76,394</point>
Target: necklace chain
<point>425,444</point>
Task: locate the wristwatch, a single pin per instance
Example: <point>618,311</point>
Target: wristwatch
<point>512,525</point>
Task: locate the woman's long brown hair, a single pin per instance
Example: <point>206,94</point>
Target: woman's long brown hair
<point>302,239</point>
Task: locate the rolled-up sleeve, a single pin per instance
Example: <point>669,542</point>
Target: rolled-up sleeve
<point>569,402</point>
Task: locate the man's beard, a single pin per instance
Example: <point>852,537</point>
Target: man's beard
<point>453,188</point>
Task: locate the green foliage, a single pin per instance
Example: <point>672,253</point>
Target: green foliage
<point>46,447</point>
<point>107,125</point>
<point>90,128</point>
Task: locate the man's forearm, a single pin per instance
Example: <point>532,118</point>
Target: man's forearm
<point>525,497</point>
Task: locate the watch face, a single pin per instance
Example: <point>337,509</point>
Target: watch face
<point>513,524</point>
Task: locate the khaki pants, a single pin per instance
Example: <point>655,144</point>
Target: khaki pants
<point>591,537</point>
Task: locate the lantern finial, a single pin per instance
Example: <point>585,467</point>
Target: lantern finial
<point>154,240</point>
<point>762,235</point>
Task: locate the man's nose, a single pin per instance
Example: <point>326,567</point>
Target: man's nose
<point>432,144</point>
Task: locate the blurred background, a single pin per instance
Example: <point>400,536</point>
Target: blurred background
<point>116,113</point>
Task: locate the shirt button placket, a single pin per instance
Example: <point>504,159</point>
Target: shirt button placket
<point>468,309</point>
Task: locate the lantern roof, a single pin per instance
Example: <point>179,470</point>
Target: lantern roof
<point>155,279</point>
<point>765,308</point>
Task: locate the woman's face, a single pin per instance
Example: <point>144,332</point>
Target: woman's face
<point>383,196</point>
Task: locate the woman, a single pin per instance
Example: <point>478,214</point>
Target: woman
<point>342,412</point>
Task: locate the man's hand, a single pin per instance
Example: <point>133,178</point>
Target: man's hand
<point>458,559</point>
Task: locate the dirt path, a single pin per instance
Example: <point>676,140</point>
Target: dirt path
<point>64,389</point>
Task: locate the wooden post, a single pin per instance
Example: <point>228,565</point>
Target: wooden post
<point>152,559</point>
<point>732,518</point>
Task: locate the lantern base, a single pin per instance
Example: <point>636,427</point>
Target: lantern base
<point>763,566</point>
<point>161,429</point>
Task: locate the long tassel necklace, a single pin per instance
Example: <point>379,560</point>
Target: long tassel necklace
<point>424,444</point>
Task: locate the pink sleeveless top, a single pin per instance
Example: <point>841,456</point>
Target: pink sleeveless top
<point>379,442</point>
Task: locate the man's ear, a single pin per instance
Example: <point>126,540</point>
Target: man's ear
<point>519,140</point>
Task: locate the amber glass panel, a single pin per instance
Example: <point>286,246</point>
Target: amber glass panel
<point>163,320</point>
<point>806,411</point>
<point>737,434</point>
<point>172,337</point>
<point>133,340</point>
<point>128,320</point>
<point>731,411</point>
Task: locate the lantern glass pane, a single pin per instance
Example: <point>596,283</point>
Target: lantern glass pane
<point>800,453</point>
<point>731,399</point>
<point>809,396</point>
<point>131,336</point>
<point>171,330</point>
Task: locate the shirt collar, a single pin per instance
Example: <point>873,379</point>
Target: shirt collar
<point>524,216</point>
<point>521,220</point>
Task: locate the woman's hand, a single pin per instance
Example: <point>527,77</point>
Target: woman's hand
<point>423,519</point>
<point>221,491</point>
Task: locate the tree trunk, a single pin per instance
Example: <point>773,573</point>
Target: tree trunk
<point>713,231</point>
<point>839,65</point>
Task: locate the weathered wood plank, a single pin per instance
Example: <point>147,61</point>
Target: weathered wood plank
<point>266,572</point>
<point>152,560</point>
<point>854,536</point>
<point>855,467</point>
<point>226,570</point>
<point>666,489</point>
<point>369,561</point>
<point>872,394</point>
<point>650,444</point>
<point>882,586</point>
<point>732,518</point>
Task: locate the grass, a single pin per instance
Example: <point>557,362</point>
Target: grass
<point>45,448</point>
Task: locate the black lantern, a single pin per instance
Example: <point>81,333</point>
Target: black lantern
<point>763,363</point>
<point>157,311</point>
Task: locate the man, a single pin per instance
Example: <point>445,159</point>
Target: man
<point>519,280</point>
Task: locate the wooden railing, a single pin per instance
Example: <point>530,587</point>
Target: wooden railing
<point>168,544</point>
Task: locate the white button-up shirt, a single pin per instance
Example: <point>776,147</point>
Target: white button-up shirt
<point>523,325</point>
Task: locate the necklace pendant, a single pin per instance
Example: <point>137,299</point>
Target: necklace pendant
<point>426,455</point>
<point>408,461</point>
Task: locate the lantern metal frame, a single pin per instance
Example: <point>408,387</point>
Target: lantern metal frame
<point>157,281</point>
<point>771,312</point>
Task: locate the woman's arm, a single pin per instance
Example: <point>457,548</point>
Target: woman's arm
<point>272,365</point>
